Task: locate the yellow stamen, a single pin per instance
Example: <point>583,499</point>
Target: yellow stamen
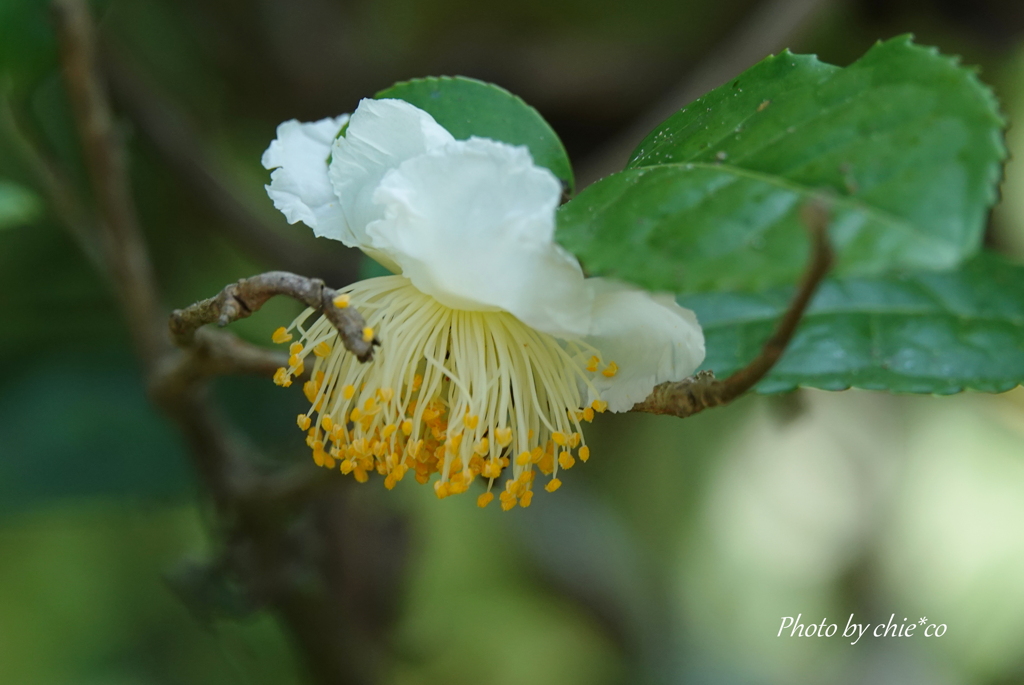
<point>484,499</point>
<point>303,421</point>
<point>565,460</point>
<point>281,335</point>
<point>282,377</point>
<point>610,370</point>
<point>442,397</point>
<point>584,453</point>
<point>553,485</point>
<point>599,406</point>
<point>341,301</point>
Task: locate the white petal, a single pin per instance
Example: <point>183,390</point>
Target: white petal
<point>649,337</point>
<point>381,135</point>
<point>299,185</point>
<point>472,224</point>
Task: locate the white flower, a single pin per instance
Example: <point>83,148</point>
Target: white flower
<point>494,346</point>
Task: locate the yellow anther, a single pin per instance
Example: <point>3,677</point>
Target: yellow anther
<point>303,421</point>
<point>370,406</point>
<point>390,482</point>
<point>322,349</point>
<point>482,446</point>
<point>417,381</point>
<point>599,406</point>
<point>348,392</point>
<point>442,490</point>
<point>368,334</point>
<point>295,348</point>
<point>553,485</point>
<point>299,368</point>
<point>341,301</point>
<point>508,500</point>
<point>565,460</point>
<point>588,414</point>
<point>454,441</point>
<point>484,499</point>
<point>385,395</point>
<point>524,458</point>
<point>526,498</point>
<point>471,421</point>
<point>282,377</point>
<point>310,389</point>
<point>592,364</point>
<point>347,466</point>
<point>536,454</point>
<point>355,415</point>
<point>610,370</point>
<point>360,474</point>
<point>574,439</point>
<point>281,335</point>
<point>318,457</point>
<point>294,360</point>
<point>407,426</point>
<point>560,438</point>
<point>503,436</point>
<point>547,463</point>
<point>584,453</point>
<point>388,430</point>
<point>327,423</point>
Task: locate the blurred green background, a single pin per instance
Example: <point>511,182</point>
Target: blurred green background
<point>669,558</point>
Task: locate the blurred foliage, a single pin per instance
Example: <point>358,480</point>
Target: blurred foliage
<point>667,558</point>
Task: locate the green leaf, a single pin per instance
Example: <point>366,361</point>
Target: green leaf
<point>906,143</point>
<point>922,333</point>
<point>467,107</point>
<point>18,205</point>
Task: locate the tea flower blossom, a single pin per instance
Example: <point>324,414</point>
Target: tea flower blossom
<point>495,347</point>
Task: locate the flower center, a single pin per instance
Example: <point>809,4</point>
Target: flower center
<point>460,393</point>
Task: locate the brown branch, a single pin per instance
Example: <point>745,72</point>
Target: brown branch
<point>702,391</point>
<point>282,532</point>
<point>240,300</point>
<point>121,241</point>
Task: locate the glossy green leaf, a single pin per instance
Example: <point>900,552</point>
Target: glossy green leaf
<point>467,107</point>
<point>906,143</point>
<point>922,333</point>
